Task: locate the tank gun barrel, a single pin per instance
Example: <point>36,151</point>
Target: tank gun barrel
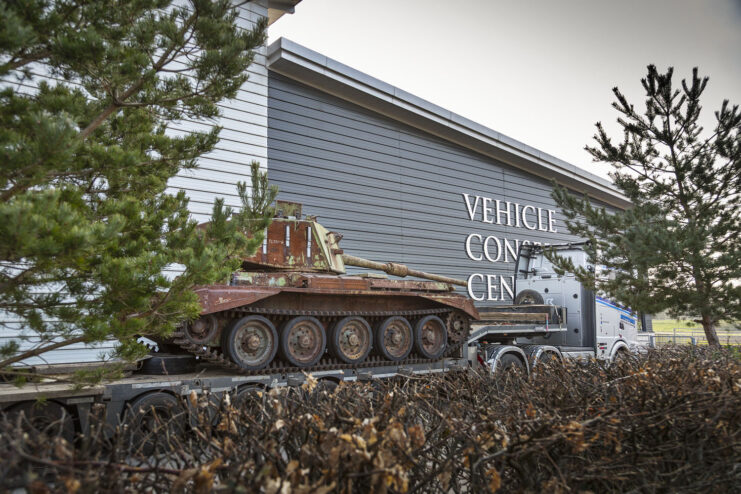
<point>399,270</point>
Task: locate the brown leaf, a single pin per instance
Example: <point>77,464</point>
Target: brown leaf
<point>179,484</point>
<point>72,485</point>
<point>38,487</point>
<point>417,436</point>
<point>495,480</point>
<point>62,449</point>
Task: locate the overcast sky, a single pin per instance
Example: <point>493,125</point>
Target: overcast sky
<point>540,71</point>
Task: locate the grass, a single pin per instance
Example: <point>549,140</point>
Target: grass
<point>685,326</point>
<point>729,334</point>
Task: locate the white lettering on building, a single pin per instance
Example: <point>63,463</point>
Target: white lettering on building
<point>490,248</point>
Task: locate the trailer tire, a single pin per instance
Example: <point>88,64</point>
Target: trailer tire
<point>248,400</point>
<point>153,416</point>
<point>529,297</point>
<point>50,417</point>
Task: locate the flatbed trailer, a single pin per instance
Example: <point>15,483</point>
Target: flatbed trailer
<point>65,402</point>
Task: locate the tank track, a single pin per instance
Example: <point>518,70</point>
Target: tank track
<point>277,367</point>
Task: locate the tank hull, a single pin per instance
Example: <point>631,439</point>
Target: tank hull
<point>324,314</point>
<point>332,296</point>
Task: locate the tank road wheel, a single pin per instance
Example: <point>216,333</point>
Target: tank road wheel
<point>458,325</point>
<point>350,339</point>
<point>430,337</point>
<point>250,342</point>
<point>302,341</point>
<point>393,338</point>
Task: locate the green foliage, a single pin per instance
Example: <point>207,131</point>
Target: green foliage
<point>676,248</point>
<point>87,228</point>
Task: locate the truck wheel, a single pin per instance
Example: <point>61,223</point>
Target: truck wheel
<point>250,342</point>
<point>393,338</point>
<point>48,417</point>
<point>529,297</point>
<point>156,422</point>
<point>302,341</point>
<point>350,339</point>
<point>430,337</point>
<point>510,362</point>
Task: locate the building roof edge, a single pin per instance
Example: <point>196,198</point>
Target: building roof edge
<point>307,66</point>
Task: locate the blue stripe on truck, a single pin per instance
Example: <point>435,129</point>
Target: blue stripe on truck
<point>602,301</point>
<point>629,319</point>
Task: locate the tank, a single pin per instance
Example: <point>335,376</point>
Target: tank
<point>292,305</point>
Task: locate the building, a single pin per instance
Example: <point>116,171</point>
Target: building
<point>407,181</point>
<point>403,179</point>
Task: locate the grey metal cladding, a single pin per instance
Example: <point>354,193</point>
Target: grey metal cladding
<point>395,192</point>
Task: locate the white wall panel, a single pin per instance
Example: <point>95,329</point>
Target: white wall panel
<point>244,122</point>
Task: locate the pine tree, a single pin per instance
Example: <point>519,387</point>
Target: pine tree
<point>677,248</point>
<point>87,228</point>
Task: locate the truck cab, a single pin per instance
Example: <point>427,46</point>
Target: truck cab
<point>594,325</point>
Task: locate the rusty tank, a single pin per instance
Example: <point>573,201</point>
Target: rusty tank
<point>292,305</point>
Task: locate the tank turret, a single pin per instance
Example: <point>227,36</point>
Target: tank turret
<point>294,299</point>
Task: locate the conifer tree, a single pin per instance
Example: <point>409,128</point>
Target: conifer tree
<point>87,227</point>
<point>677,248</point>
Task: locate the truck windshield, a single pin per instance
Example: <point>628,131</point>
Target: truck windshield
<point>531,260</point>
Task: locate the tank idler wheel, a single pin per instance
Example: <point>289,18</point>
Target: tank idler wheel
<point>350,339</point>
<point>302,341</point>
<point>430,337</point>
<point>250,342</point>
<point>202,330</point>
<point>458,325</point>
<point>393,338</point>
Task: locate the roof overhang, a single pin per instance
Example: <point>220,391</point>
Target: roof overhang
<point>313,69</point>
<point>276,8</point>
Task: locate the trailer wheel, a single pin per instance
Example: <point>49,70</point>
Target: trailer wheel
<point>156,422</point>
<point>350,339</point>
<point>49,417</point>
<point>393,338</point>
<point>302,341</point>
<point>430,337</point>
<point>529,297</point>
<point>248,400</point>
<point>250,342</point>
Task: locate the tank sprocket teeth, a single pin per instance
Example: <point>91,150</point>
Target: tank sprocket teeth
<point>458,326</point>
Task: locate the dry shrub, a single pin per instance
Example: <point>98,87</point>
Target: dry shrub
<point>666,421</point>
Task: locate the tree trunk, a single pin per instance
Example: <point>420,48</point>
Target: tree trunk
<point>709,327</point>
